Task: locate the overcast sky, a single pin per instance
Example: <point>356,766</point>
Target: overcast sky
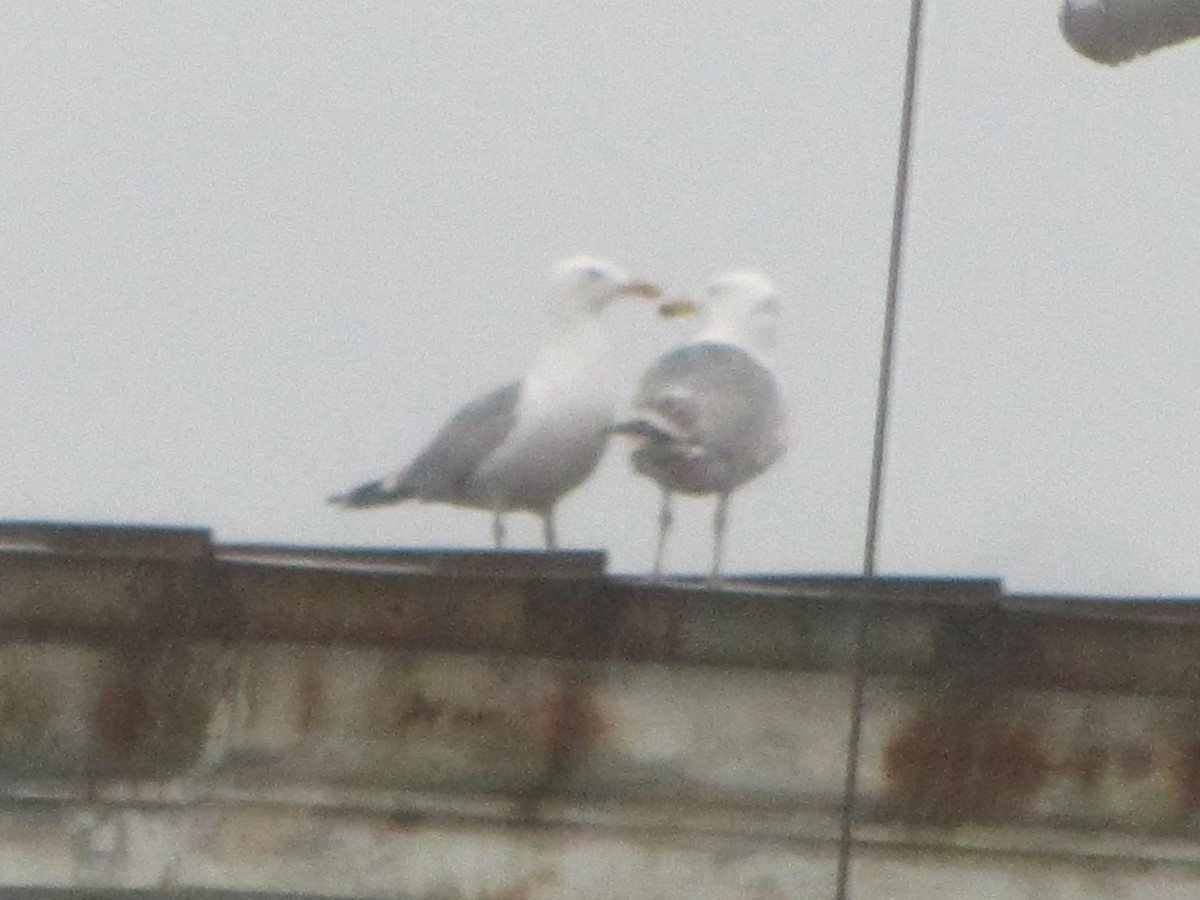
<point>252,253</point>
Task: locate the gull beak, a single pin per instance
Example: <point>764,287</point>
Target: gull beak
<point>677,308</point>
<point>644,289</point>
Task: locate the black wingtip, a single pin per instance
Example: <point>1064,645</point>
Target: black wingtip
<point>373,493</point>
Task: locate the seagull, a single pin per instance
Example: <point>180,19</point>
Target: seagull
<point>526,444</point>
<point>708,415</point>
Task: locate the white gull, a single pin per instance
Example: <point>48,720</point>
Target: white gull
<point>526,444</point>
<point>708,416</point>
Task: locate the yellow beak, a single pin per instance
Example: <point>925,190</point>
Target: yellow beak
<point>677,308</point>
<point>646,289</point>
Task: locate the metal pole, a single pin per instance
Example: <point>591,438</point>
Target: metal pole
<point>883,395</point>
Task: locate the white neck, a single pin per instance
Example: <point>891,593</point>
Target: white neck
<point>576,337</point>
<point>742,333</point>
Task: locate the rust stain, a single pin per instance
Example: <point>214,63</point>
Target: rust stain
<point>415,709</point>
<point>573,724</point>
<point>947,768</point>
<point>310,695</point>
<point>121,716</point>
<point>568,724</point>
<point>1187,775</point>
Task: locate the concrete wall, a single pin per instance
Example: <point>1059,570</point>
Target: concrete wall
<point>367,724</point>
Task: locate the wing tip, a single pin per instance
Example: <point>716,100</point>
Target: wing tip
<point>373,493</point>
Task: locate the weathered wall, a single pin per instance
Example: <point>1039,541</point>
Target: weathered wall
<point>520,726</point>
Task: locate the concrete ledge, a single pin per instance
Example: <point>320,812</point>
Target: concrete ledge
<point>312,711</point>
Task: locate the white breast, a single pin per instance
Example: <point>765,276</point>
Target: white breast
<point>567,403</point>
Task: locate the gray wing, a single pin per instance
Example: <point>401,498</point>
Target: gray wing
<point>713,416</point>
<point>442,470</point>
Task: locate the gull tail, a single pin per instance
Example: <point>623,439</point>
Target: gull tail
<point>374,493</point>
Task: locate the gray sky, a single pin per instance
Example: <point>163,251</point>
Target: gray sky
<point>253,253</point>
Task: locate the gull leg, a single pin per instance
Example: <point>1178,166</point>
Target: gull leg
<point>719,520</point>
<point>548,529</point>
<point>665,518</point>
<point>498,529</point>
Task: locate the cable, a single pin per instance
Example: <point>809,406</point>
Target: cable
<point>883,396</point>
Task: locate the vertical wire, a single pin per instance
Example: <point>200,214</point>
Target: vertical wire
<point>883,397</point>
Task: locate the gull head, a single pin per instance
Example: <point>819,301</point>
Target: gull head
<point>741,308</point>
<point>587,284</point>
